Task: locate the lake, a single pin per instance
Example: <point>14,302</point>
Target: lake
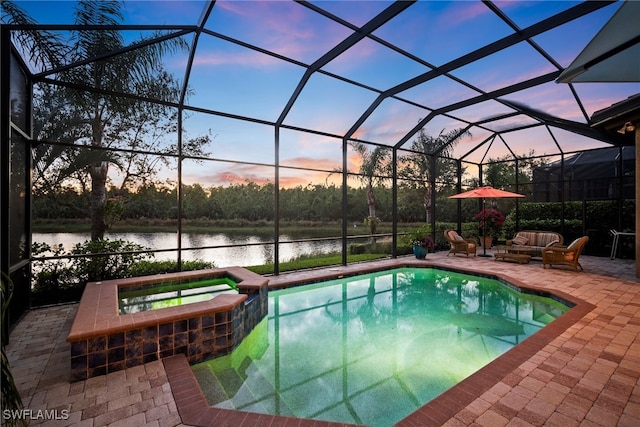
<point>253,250</point>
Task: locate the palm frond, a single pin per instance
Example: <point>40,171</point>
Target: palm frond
<point>43,48</point>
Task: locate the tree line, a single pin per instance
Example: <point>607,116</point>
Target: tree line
<point>248,201</point>
<point>314,202</point>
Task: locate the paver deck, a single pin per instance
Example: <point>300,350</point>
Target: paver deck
<point>589,375</point>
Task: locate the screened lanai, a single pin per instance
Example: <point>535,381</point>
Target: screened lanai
<point>306,123</point>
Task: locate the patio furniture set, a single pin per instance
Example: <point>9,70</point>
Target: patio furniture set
<point>525,245</point>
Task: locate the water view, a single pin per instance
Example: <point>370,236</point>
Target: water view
<point>253,250</point>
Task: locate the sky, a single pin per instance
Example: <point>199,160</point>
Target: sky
<point>243,82</point>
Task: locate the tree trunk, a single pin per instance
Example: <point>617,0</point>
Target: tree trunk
<point>98,174</point>
<point>371,201</point>
<point>427,205</point>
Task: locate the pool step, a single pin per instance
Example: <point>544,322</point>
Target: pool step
<point>228,389</point>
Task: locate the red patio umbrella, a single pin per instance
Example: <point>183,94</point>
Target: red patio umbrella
<point>486,192</point>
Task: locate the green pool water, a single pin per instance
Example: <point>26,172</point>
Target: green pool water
<point>161,295</point>
<point>372,349</point>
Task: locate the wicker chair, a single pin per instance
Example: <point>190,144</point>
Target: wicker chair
<point>460,245</point>
<point>555,255</point>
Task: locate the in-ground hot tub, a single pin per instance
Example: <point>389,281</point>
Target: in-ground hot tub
<point>158,295</point>
<point>103,340</point>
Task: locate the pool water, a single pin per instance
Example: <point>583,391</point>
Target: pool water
<point>372,349</point>
<point>161,295</point>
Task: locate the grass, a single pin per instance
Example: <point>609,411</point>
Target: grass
<point>314,261</point>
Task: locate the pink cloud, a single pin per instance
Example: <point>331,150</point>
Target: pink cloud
<point>283,27</point>
<point>389,127</point>
<point>241,174</point>
<point>243,58</point>
<point>459,15</point>
<point>291,182</point>
<point>354,162</point>
<point>286,181</point>
<point>354,56</point>
<point>359,133</point>
<point>552,99</point>
<point>229,178</point>
<point>311,163</point>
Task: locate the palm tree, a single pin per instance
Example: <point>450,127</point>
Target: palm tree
<point>374,164</point>
<point>424,163</point>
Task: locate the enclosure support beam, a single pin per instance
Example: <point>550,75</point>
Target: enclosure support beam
<point>637,134</point>
<point>276,204</point>
<point>344,200</point>
<point>394,203</point>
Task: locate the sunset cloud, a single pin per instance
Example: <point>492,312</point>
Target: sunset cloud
<point>460,15</point>
<point>242,174</point>
<point>311,163</point>
<point>285,28</point>
<point>243,58</point>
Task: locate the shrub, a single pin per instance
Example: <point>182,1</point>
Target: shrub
<point>53,281</point>
<point>63,278</point>
<point>120,256</point>
<point>147,268</point>
<point>370,248</point>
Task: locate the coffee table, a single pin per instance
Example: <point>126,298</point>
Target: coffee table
<point>503,253</point>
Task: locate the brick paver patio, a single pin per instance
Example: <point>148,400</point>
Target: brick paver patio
<point>587,376</point>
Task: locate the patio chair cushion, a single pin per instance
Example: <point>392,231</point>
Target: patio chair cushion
<point>565,256</point>
<point>459,244</point>
<point>574,243</point>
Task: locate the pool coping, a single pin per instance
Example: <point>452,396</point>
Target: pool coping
<point>194,409</point>
<point>98,313</point>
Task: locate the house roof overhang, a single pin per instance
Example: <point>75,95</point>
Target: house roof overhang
<point>613,55</point>
<point>623,118</point>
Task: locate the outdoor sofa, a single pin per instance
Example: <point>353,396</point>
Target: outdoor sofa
<point>533,242</point>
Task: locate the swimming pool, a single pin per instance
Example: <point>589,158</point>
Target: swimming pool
<point>371,349</point>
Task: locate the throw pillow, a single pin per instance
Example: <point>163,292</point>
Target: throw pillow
<point>520,240</point>
<point>459,237</point>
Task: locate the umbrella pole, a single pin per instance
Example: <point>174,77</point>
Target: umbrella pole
<point>484,223</point>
